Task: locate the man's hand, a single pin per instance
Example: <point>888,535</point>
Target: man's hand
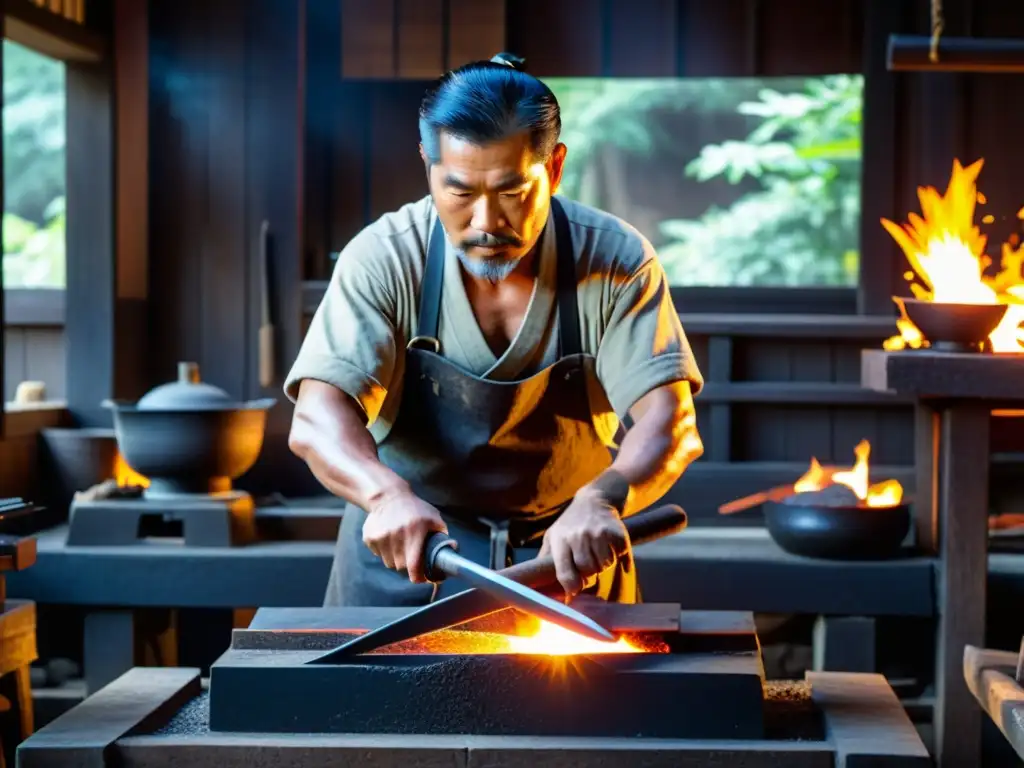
<point>587,538</point>
<point>396,529</point>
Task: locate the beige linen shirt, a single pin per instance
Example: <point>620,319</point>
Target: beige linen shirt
<point>356,340</point>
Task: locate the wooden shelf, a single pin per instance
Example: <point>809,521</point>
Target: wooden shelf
<point>871,328</point>
<point>48,33</point>
<point>795,393</point>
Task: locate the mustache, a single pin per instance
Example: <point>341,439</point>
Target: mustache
<point>487,240</point>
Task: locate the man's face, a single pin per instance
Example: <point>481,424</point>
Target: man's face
<point>493,200</point>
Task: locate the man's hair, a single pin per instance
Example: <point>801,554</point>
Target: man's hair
<point>488,101</point>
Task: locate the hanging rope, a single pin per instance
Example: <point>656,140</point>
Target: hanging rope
<point>937,25</point>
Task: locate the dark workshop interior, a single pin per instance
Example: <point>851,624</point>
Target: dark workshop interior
<point>834,193</point>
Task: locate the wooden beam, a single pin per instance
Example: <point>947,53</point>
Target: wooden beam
<point>911,53</point>
<point>878,251</point>
<point>763,312</point>
<point>90,242</point>
<point>106,328</point>
<point>48,33</point>
<point>35,307</point>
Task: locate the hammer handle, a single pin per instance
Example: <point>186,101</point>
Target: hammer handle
<point>642,528</point>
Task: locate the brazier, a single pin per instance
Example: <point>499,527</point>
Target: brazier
<point>685,676</point>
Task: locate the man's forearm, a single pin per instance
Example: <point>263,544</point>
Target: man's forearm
<point>655,452</point>
<point>329,433</point>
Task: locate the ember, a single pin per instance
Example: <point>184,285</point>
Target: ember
<point>887,493</point>
<point>539,638</point>
<point>551,640</point>
<point>946,251</point>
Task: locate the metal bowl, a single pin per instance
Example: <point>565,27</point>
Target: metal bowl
<point>838,532</point>
<point>188,437</point>
<point>967,325</point>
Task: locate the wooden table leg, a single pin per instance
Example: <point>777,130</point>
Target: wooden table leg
<point>963,501</point>
<point>927,429</point>
<point>23,686</point>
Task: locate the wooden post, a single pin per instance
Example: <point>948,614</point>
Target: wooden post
<point>962,575</point>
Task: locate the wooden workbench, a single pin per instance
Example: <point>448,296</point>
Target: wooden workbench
<point>956,395</point>
<point>701,568</point>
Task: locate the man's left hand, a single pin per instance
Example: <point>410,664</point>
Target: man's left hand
<point>588,537</point>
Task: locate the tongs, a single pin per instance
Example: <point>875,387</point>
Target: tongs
<point>475,603</point>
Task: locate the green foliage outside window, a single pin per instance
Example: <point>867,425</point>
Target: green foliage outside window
<point>34,172</point>
<point>771,199</point>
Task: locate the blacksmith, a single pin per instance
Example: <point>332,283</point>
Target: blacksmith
<point>472,356</point>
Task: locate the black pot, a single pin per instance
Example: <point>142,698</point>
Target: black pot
<point>838,532</point>
<point>74,460</point>
<point>188,437</point>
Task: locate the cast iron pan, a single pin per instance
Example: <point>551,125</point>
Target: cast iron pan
<point>838,532</point>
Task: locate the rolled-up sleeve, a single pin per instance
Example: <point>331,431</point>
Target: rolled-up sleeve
<point>350,343</point>
<point>643,346</point>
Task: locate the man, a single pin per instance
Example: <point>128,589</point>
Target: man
<point>464,370</point>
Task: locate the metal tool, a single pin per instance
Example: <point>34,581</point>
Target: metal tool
<point>443,561</point>
<point>538,573</point>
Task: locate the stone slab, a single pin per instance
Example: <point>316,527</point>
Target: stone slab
<point>866,723</point>
<point>258,751</point>
<point>990,677</point>
<point>142,699</point>
<point>670,695</point>
<point>298,629</point>
<point>925,374</point>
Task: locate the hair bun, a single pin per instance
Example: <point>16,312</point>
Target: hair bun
<point>510,60</point>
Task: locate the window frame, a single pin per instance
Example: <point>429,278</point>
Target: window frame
<point>76,44</point>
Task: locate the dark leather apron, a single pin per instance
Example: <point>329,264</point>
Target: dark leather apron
<point>499,459</point>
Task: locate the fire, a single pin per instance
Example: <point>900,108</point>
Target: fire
<point>888,493</point>
<point>549,639</point>
<point>528,637</point>
<point>946,251</point>
<point>126,477</point>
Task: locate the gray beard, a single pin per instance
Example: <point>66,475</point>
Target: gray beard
<point>493,270</point>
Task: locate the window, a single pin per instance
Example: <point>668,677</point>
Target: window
<point>34,169</point>
<point>737,182</point>
<point>33,225</point>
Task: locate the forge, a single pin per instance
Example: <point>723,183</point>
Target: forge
<point>685,688</point>
<point>693,675</point>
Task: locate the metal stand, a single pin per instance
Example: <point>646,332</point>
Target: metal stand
<point>217,520</point>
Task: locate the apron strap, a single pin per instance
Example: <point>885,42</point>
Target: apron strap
<point>432,288</point>
<point>569,341</point>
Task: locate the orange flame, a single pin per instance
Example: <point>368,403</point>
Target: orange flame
<point>126,477</point>
<point>887,493</point>
<point>946,251</point>
<point>549,639</point>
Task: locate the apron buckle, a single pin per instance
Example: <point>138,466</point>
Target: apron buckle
<point>429,341</point>
<point>499,557</point>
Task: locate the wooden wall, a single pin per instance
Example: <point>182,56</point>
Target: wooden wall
<point>226,133</point>
<point>250,119</point>
<point>34,354</point>
<point>362,136</point>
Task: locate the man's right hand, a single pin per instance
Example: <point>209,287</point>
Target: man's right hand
<point>396,529</point>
